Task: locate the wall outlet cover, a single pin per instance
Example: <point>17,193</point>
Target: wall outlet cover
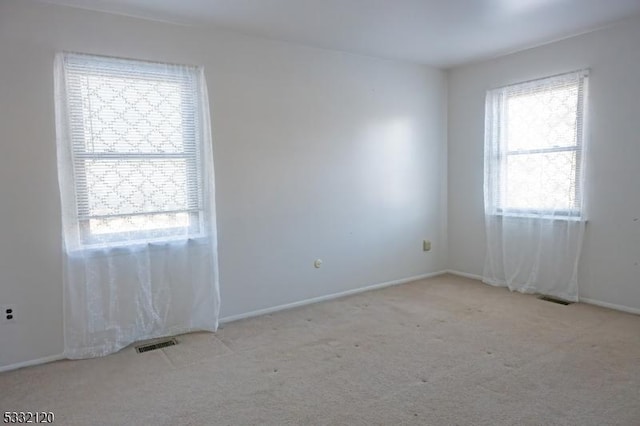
<point>7,314</point>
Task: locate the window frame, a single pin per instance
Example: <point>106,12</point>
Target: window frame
<point>192,154</point>
<point>503,154</point>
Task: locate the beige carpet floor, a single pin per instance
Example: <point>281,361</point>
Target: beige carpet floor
<point>443,351</point>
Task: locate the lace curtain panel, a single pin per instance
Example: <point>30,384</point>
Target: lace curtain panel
<point>534,180</point>
<point>135,172</point>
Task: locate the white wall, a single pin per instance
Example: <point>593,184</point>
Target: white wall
<point>609,269</point>
<point>318,154</point>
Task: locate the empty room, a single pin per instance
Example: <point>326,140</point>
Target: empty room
<point>320,212</point>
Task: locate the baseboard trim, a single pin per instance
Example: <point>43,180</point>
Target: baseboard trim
<point>464,274</point>
<point>256,313</point>
<point>59,357</point>
<point>614,306</point>
<point>332,296</point>
<point>608,305</point>
<point>32,362</point>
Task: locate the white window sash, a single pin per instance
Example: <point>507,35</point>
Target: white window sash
<point>80,66</point>
<point>496,131</point>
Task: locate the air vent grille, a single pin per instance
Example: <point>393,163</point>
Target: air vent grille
<point>156,345</point>
<point>554,300</point>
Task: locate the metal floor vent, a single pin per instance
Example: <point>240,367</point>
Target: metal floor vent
<point>554,300</point>
<point>156,345</point>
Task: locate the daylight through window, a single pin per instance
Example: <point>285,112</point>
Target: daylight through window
<point>135,150</point>
<point>535,162</point>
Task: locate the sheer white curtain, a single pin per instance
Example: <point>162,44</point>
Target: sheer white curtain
<point>534,168</point>
<point>135,170</point>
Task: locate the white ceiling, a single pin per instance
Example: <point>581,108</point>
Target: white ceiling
<point>442,33</point>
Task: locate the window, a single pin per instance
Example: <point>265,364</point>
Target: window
<point>135,149</point>
<point>135,172</point>
<point>533,157</point>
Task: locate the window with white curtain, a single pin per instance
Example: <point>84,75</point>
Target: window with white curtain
<point>135,172</point>
<point>533,184</point>
<point>537,133</point>
<point>135,153</point>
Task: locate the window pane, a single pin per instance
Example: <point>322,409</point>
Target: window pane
<point>136,186</point>
<point>542,118</point>
<point>135,145</point>
<point>132,115</point>
<point>541,181</point>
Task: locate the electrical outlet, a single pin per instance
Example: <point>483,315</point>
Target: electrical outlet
<point>7,314</point>
<point>426,245</point>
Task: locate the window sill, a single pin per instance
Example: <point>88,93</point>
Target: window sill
<point>122,248</point>
<point>547,217</point>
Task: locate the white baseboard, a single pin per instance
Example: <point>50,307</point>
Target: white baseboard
<point>304,302</point>
<point>613,306</point>
<point>265,311</point>
<point>621,308</point>
<point>32,362</point>
<point>259,312</point>
<point>464,274</point>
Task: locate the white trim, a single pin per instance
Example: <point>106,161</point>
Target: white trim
<point>32,362</point>
<point>312,300</point>
<point>265,311</point>
<point>256,313</point>
<point>464,274</point>
<point>608,305</point>
<point>621,308</point>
